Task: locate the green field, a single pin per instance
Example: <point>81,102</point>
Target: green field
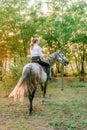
<point>64,110</point>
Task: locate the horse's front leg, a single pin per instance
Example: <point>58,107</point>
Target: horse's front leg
<point>44,91</point>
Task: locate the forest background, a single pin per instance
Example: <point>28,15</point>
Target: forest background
<point>61,24</point>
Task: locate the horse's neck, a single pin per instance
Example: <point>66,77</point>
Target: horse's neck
<point>51,59</point>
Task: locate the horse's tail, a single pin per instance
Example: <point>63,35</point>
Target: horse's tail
<point>21,89</point>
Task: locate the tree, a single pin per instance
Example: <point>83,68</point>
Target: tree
<point>79,34</point>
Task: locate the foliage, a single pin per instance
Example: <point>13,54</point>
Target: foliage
<point>13,75</point>
<point>7,84</point>
<point>79,84</point>
<point>80,38</point>
<point>62,23</point>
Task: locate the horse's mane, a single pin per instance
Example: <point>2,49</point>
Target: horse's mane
<point>51,59</point>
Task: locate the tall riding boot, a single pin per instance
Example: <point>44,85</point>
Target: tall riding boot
<point>48,73</point>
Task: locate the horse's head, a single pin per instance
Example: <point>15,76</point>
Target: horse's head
<point>61,57</point>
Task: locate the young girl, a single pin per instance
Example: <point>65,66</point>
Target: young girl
<point>36,55</point>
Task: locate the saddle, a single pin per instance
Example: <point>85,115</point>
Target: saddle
<point>44,67</point>
<point>43,64</point>
<point>36,59</point>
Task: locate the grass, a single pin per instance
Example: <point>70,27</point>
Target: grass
<point>79,84</point>
<point>64,110</point>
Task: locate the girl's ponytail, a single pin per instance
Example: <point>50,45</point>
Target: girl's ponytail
<point>33,41</point>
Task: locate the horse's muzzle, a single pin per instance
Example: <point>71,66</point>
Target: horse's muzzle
<point>66,62</point>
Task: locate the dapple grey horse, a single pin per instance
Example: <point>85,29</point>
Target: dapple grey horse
<point>33,75</point>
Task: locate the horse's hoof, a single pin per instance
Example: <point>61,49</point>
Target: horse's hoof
<point>30,114</point>
<point>43,102</point>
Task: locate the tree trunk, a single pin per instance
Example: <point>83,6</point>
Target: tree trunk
<point>1,65</point>
<point>82,73</point>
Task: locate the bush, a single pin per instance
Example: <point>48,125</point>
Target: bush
<point>79,84</point>
<point>11,78</point>
<point>75,74</point>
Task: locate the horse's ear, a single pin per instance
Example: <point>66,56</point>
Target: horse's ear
<point>58,51</point>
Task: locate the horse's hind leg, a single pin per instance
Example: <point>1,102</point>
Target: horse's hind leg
<point>42,87</point>
<point>30,100</point>
<point>31,96</point>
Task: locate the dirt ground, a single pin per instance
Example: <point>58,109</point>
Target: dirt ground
<point>64,110</point>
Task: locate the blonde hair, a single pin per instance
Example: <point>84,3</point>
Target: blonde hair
<point>33,41</point>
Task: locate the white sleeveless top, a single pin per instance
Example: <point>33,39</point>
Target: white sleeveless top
<point>36,51</point>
